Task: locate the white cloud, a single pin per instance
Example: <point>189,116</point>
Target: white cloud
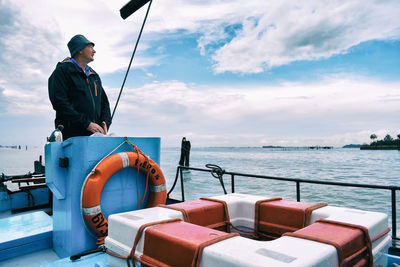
<point>28,54</point>
<point>314,113</point>
<point>285,32</point>
<point>34,39</point>
<point>262,34</point>
<point>55,22</point>
<point>267,33</point>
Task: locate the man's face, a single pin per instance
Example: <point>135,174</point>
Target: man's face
<point>88,53</point>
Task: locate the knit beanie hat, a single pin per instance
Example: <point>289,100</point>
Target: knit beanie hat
<point>77,43</point>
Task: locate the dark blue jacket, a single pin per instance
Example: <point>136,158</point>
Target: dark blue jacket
<point>77,99</point>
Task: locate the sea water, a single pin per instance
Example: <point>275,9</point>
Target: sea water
<point>349,165</point>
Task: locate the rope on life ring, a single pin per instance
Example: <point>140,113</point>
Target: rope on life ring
<point>98,177</point>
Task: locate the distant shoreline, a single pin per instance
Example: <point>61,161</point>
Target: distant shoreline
<point>352,146</point>
<point>380,147</point>
<point>387,143</point>
<point>299,147</point>
<point>18,147</point>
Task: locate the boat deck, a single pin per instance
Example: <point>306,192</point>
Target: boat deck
<point>48,258</point>
<point>25,240</point>
<point>41,257</point>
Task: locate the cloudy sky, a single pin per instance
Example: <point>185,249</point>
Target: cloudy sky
<point>221,73</point>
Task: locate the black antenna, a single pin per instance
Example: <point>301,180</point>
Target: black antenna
<point>126,11</point>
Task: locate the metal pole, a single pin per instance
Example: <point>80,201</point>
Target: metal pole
<point>173,186</point>
<point>130,62</point>
<point>182,189</point>
<point>233,183</point>
<point>298,191</point>
<point>394,230</point>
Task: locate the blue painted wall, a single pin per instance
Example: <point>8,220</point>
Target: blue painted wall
<point>70,235</point>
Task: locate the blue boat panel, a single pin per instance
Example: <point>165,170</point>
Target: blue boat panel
<point>25,248</point>
<point>123,185</point>
<point>5,203</point>
<point>53,152</point>
<point>93,260</point>
<point>24,233</point>
<point>70,235</point>
<point>392,260</point>
<point>19,242</point>
<point>21,200</point>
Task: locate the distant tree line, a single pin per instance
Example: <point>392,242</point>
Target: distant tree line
<point>387,142</point>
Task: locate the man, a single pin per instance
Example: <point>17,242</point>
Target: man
<point>76,93</point>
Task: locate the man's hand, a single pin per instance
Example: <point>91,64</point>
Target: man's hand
<point>95,128</point>
<point>104,127</point>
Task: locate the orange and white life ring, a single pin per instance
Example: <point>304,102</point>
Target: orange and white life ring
<point>98,177</point>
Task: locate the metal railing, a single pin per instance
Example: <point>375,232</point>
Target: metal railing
<point>221,172</point>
